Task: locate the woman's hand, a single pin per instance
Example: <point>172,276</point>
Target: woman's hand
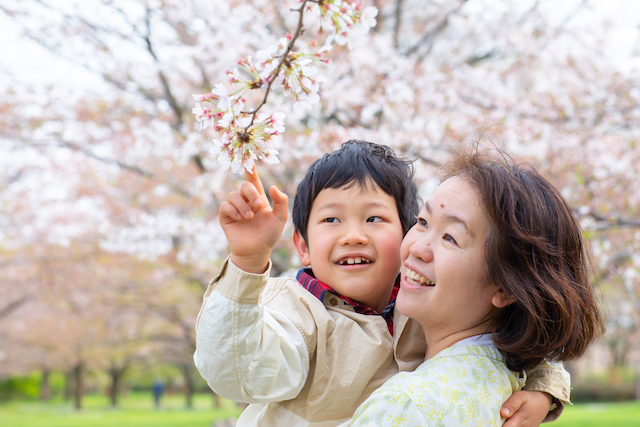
<point>526,408</point>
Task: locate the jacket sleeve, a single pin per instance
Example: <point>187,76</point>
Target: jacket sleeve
<point>552,378</point>
<point>245,351</point>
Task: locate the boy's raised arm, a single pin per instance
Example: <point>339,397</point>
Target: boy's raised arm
<point>253,227</point>
<point>245,350</point>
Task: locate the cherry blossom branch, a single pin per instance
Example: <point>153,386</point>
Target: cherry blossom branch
<point>276,72</point>
<point>249,135</point>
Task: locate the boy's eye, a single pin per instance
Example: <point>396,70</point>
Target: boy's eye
<point>374,219</point>
<point>449,238</point>
<point>423,222</point>
<point>331,220</point>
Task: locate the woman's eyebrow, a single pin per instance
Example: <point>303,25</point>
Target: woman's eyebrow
<point>452,219</point>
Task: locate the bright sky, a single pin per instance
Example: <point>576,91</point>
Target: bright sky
<point>624,34</point>
<point>23,60</point>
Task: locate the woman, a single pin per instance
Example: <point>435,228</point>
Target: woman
<point>496,273</point>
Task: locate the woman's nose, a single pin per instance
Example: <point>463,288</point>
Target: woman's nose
<point>422,249</point>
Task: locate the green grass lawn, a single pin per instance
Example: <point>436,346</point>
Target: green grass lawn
<point>600,415</point>
<point>135,410</point>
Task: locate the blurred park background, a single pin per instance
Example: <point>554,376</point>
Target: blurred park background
<point>109,194</point>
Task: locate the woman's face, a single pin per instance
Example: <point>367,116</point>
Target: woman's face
<point>444,285</point>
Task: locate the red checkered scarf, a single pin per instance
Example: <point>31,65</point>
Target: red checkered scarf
<point>319,289</point>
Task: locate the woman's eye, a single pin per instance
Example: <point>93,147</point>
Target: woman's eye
<point>449,238</point>
<point>374,219</point>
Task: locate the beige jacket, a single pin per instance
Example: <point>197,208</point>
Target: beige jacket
<point>299,361</point>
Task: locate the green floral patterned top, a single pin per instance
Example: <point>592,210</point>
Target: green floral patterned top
<point>463,385</point>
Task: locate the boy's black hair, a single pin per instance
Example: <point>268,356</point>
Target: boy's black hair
<point>359,163</point>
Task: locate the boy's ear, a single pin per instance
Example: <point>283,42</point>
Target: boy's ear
<point>302,248</point>
<point>501,300</point>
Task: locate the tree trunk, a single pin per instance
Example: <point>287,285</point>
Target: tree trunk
<point>45,386</point>
<point>188,385</point>
<point>68,385</point>
<point>114,391</point>
<point>78,376</point>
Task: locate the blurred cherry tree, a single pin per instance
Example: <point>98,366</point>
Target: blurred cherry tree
<point>109,188</point>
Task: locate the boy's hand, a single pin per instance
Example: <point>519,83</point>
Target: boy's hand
<point>252,227</point>
<point>526,408</point>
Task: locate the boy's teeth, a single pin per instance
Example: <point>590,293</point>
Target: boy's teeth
<point>356,260</point>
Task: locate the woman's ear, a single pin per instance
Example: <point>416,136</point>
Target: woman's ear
<point>501,300</point>
<point>302,248</point>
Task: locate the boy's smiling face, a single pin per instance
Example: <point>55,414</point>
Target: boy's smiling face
<point>354,236</point>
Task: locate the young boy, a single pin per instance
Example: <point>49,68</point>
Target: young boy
<point>309,351</point>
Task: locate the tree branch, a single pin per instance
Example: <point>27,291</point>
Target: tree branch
<point>473,60</point>
<point>428,38</point>
<point>397,23</point>
<point>14,305</point>
<point>165,83</point>
<point>549,119</point>
<point>276,72</point>
<point>121,165</point>
<point>124,166</point>
<point>429,161</point>
<point>281,21</point>
<point>604,223</point>
<point>203,74</point>
<point>632,295</point>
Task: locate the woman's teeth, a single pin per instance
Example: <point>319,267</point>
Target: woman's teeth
<point>356,260</point>
<point>423,281</point>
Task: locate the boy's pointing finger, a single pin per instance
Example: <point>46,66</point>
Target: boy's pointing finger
<point>254,179</point>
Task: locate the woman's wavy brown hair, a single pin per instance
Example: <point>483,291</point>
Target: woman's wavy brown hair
<point>536,254</point>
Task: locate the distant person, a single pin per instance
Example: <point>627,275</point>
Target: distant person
<point>158,390</point>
